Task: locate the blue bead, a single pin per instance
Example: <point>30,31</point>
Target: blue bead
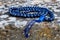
<point>21,14</point>
<point>24,15</point>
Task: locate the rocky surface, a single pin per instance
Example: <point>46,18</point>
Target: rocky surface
<point>11,28</point>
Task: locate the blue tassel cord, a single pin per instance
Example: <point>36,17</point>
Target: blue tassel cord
<point>41,13</point>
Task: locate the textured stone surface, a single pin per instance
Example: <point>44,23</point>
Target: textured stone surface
<point>11,28</point>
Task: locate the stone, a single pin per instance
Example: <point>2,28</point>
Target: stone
<point>55,15</point>
<point>4,16</point>
<point>56,10</point>
<point>19,24</point>
<point>1,26</point>
<point>11,19</point>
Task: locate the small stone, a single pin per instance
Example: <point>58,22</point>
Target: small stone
<point>57,34</point>
<point>55,15</point>
<point>56,10</point>
<point>36,2</point>
<point>45,34</point>
<point>2,26</point>
<point>49,6</point>
<point>55,38</point>
<point>4,16</point>
<point>8,38</point>
<point>20,24</point>
<point>1,3</point>
<point>7,27</point>
<point>11,19</point>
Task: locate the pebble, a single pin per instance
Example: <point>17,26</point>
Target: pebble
<point>19,24</point>
<point>4,23</point>
<point>49,6</point>
<point>45,34</point>
<point>47,0</point>
<point>1,3</point>
<point>56,10</point>
<point>2,26</point>
<point>58,20</point>
<point>55,38</point>
<point>39,5</point>
<point>55,15</point>
<point>57,34</point>
<point>4,16</point>
<point>36,2</point>
<point>12,19</point>
<point>57,0</point>
<point>2,6</point>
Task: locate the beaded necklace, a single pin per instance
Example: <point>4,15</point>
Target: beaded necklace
<point>39,12</point>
